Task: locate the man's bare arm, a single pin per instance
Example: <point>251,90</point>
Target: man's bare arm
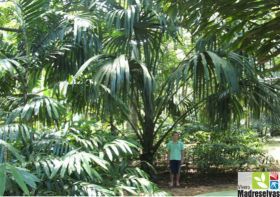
<point>182,156</point>
<point>168,155</point>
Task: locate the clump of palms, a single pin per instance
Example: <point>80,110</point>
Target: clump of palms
<point>76,160</point>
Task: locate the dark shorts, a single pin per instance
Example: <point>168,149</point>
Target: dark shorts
<point>174,166</point>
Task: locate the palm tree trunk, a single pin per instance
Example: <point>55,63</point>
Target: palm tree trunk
<point>147,155</point>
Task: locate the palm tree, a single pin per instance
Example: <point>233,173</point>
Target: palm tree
<point>219,78</point>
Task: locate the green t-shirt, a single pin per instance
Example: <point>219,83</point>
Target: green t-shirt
<point>175,150</point>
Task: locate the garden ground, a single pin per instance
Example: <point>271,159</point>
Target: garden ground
<point>273,148</point>
<point>194,184</point>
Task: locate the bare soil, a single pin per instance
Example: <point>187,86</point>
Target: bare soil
<point>195,184</point>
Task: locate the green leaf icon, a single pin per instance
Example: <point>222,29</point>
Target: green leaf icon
<point>260,180</point>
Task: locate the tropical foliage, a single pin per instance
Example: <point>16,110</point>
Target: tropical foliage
<point>81,159</point>
<point>141,68</point>
<point>225,150</point>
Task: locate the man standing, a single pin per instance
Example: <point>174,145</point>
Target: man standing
<point>176,157</point>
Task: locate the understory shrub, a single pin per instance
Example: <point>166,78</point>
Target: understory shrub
<point>79,159</point>
<point>224,149</point>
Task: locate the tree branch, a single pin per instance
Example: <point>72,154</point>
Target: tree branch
<point>167,116</point>
<point>156,146</point>
<point>161,106</point>
<point>10,29</point>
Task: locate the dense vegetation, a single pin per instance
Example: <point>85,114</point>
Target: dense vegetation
<point>91,89</point>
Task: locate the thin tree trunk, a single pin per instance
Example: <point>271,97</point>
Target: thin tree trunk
<point>147,155</point>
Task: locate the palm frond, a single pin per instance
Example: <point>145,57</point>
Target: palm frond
<point>116,74</point>
<point>78,162</point>
<point>246,25</point>
<point>86,188</point>
<point>9,147</point>
<point>29,12</point>
<point>9,65</point>
<point>208,71</point>
<point>42,108</point>
<point>13,132</point>
<point>261,97</point>
<point>137,30</point>
<point>22,177</point>
<point>116,147</point>
<point>222,109</point>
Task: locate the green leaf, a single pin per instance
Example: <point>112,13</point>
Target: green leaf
<point>28,178</point>
<point>19,179</point>
<point>109,153</point>
<point>86,166</point>
<point>13,150</point>
<point>86,64</point>
<point>48,106</point>
<point>2,179</point>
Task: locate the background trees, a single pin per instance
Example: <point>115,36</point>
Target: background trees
<point>148,65</point>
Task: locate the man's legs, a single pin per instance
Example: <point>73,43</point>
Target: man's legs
<point>171,166</point>
<point>178,179</point>
<point>175,172</point>
<point>171,179</point>
<point>178,173</point>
